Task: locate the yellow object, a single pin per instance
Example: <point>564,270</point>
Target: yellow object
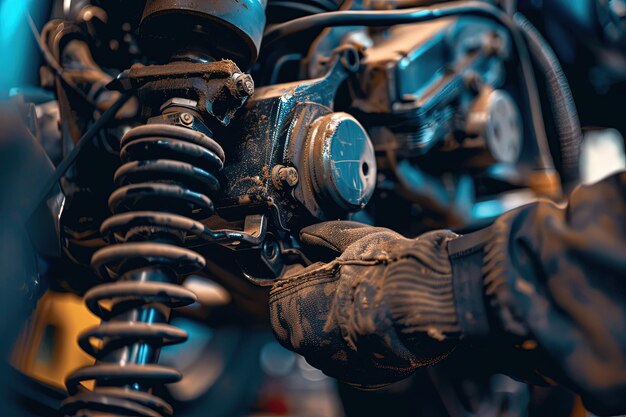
<point>47,349</point>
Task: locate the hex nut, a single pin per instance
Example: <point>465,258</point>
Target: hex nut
<point>283,176</point>
<point>186,119</point>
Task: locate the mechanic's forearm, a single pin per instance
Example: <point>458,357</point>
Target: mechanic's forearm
<point>542,288</point>
<point>552,277</point>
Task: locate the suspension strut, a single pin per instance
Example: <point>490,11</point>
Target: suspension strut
<point>163,189</point>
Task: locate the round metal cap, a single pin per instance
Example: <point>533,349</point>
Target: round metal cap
<point>341,162</point>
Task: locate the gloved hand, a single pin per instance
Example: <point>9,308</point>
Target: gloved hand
<point>380,310</point>
<point>541,291</point>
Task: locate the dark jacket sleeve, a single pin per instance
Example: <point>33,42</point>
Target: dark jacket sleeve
<point>554,284</point>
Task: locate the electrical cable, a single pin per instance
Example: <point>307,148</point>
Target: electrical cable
<point>320,21</point>
<point>89,135</point>
<point>405,4</point>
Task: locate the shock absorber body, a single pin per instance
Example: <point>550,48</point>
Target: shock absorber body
<point>163,189</point>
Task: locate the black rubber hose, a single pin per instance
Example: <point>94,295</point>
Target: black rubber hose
<point>561,99</point>
<point>532,103</point>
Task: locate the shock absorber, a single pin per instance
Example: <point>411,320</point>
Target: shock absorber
<point>163,186</point>
<point>162,190</point>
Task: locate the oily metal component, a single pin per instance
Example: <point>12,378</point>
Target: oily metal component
<point>341,161</point>
<point>275,132</point>
<point>163,189</point>
<point>163,201</point>
<point>204,30</point>
<point>213,89</point>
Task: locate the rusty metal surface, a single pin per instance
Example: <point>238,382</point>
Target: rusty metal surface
<point>219,88</point>
<point>275,131</point>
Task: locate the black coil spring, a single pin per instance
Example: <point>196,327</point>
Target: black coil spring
<point>163,186</point>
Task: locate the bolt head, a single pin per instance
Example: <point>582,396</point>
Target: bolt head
<point>186,119</point>
<point>289,176</point>
<point>283,176</point>
<point>245,85</point>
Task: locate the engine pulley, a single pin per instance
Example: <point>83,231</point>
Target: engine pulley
<point>495,117</point>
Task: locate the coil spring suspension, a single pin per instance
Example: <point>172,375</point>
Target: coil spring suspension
<point>163,185</point>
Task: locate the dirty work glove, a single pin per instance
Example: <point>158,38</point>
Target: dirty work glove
<point>541,291</point>
<point>380,308</point>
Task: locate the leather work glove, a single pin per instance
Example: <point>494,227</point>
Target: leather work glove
<point>383,308</point>
<point>541,294</point>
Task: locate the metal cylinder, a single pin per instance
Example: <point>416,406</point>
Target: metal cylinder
<point>230,29</point>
